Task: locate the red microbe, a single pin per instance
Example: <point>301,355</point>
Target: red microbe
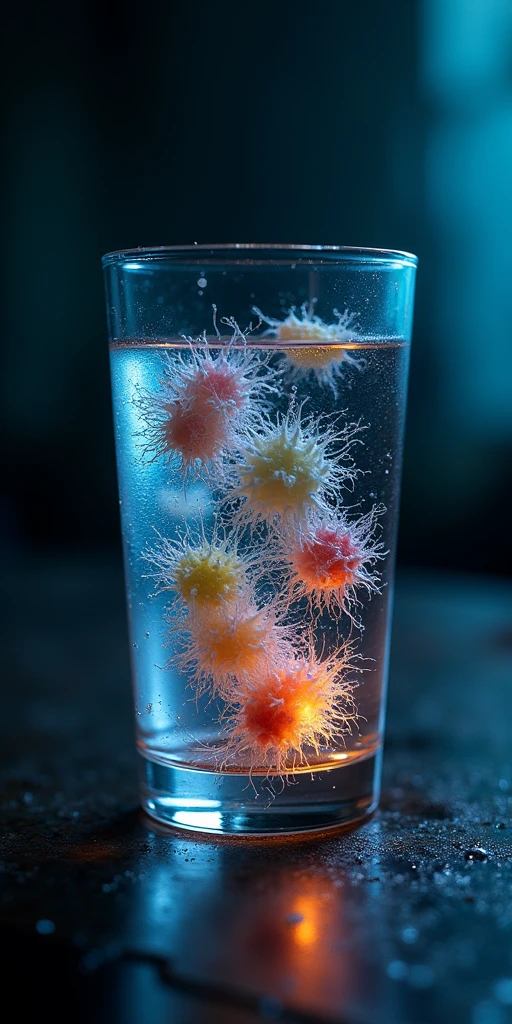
<point>219,383</point>
<point>203,402</point>
<point>331,558</point>
<point>328,559</point>
<point>269,720</point>
<point>195,430</point>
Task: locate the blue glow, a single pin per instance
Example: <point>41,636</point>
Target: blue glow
<point>45,927</point>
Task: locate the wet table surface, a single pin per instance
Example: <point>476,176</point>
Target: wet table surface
<point>105,917</point>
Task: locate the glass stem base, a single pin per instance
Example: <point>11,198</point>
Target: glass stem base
<point>242,805</point>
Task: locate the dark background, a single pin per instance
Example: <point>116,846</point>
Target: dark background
<point>368,123</point>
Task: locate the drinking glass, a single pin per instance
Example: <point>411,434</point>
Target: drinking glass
<point>259,398</point>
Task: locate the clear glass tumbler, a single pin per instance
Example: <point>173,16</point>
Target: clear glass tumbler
<point>259,397</point>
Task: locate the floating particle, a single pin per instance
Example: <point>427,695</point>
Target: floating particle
<point>326,355</point>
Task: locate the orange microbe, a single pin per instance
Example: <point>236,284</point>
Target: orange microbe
<point>228,647</point>
<point>304,703</point>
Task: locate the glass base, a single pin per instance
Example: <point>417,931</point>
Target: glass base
<point>239,805</point>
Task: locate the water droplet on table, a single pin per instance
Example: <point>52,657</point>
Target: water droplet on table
<point>476,853</point>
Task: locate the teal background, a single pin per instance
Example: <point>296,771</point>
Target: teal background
<point>362,124</point>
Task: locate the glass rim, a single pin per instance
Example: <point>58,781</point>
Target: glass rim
<point>236,250</point>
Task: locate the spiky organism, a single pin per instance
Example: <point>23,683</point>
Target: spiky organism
<point>299,706</point>
<point>207,392</point>
<point>331,557</point>
<point>318,350</point>
<point>222,651</point>
<point>289,466</point>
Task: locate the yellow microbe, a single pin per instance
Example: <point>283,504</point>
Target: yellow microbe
<point>285,476</point>
<point>208,576</point>
<point>319,349</point>
<point>293,329</point>
<point>314,358</point>
<point>284,469</point>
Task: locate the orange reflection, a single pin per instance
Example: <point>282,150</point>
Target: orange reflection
<point>305,931</point>
<point>296,940</point>
<point>276,924</point>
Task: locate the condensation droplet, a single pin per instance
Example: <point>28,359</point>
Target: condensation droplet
<point>476,853</point>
